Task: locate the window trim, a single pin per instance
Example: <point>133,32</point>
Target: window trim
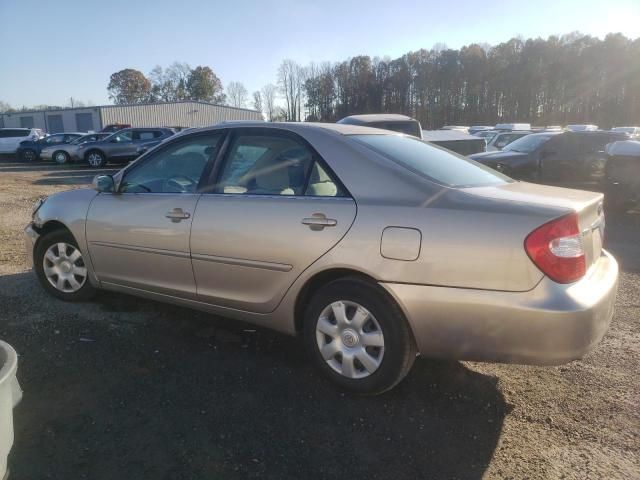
<point>146,158</point>
<point>223,157</point>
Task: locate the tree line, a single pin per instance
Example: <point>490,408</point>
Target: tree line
<point>561,80</point>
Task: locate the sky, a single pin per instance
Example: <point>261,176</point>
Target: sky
<point>53,50</point>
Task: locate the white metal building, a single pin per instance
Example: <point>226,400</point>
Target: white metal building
<point>171,114</point>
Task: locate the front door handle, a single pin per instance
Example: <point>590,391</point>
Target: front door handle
<point>318,221</point>
<point>177,214</point>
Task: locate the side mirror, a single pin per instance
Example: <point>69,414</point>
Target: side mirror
<point>104,183</point>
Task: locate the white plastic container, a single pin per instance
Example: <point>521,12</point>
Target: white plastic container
<point>10,395</point>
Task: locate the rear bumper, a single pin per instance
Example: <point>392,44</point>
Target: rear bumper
<point>549,325</point>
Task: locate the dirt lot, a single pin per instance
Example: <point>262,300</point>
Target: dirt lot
<point>126,388</point>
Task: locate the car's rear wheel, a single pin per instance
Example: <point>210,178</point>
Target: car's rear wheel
<point>28,155</point>
<point>358,336</point>
<point>61,157</point>
<point>60,267</point>
<point>96,159</point>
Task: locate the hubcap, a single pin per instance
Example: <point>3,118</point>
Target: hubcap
<point>95,159</point>
<point>61,157</point>
<point>29,155</point>
<point>350,339</point>
<point>64,267</point>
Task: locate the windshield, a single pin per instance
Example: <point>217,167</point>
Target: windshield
<point>527,144</point>
<point>437,164</point>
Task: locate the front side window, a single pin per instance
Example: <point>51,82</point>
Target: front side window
<point>174,169</point>
<point>54,139</point>
<point>436,164</point>
<point>527,144</point>
<point>265,165</point>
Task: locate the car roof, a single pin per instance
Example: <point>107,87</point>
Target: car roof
<point>337,128</point>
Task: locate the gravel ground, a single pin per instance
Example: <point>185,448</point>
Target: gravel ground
<point>126,388</point>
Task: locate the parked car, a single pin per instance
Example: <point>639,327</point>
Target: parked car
<point>572,159</point>
<point>258,222</point>
<point>30,150</point>
<point>114,127</point>
<point>622,188</point>
<point>478,128</point>
<point>486,134</point>
<point>65,153</point>
<point>509,127</point>
<point>386,121</point>
<point>458,128</point>
<point>633,131</point>
<point>582,128</point>
<point>121,146</point>
<point>10,138</point>
<point>502,139</point>
<point>455,140</point>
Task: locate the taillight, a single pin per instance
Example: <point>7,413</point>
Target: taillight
<point>556,249</point>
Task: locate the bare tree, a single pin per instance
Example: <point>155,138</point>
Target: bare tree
<point>269,94</point>
<point>257,101</point>
<point>291,78</point>
<point>237,95</point>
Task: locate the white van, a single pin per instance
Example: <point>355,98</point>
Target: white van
<point>512,126</point>
<point>10,138</point>
<point>582,128</point>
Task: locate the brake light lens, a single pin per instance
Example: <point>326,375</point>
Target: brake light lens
<point>557,249</point>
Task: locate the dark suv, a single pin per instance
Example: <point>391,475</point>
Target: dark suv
<point>122,146</point>
<point>571,159</point>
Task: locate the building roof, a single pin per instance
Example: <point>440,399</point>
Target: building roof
<point>127,105</point>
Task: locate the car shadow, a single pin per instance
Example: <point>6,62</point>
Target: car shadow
<point>127,388</point>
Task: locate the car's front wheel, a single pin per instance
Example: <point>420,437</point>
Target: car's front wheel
<point>61,157</point>
<point>28,155</point>
<point>96,159</point>
<point>60,267</point>
<point>358,336</point>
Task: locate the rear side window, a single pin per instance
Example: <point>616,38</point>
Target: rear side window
<point>436,164</point>
<point>266,165</point>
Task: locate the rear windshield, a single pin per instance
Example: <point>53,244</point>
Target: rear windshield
<point>437,164</point>
<point>409,127</point>
<point>527,144</point>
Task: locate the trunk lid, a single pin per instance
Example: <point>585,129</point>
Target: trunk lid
<point>588,206</point>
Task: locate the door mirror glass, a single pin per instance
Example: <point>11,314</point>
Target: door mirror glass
<point>104,183</point>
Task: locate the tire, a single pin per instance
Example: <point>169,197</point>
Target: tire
<point>61,157</point>
<point>385,365</point>
<point>96,159</point>
<point>67,266</point>
<point>28,155</point>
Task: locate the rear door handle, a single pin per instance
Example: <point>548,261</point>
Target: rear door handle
<point>177,214</point>
<point>318,221</point>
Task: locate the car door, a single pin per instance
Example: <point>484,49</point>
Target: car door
<point>557,159</point>
<point>274,209</point>
<point>139,236</point>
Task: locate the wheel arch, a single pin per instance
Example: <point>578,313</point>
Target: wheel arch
<point>317,281</point>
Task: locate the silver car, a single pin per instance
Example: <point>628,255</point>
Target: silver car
<point>68,152</point>
<point>373,246</point>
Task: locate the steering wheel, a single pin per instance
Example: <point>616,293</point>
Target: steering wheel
<point>174,184</point>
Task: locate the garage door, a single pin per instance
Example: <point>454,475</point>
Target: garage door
<point>54,123</point>
<point>84,122</point>
<point>26,122</point>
